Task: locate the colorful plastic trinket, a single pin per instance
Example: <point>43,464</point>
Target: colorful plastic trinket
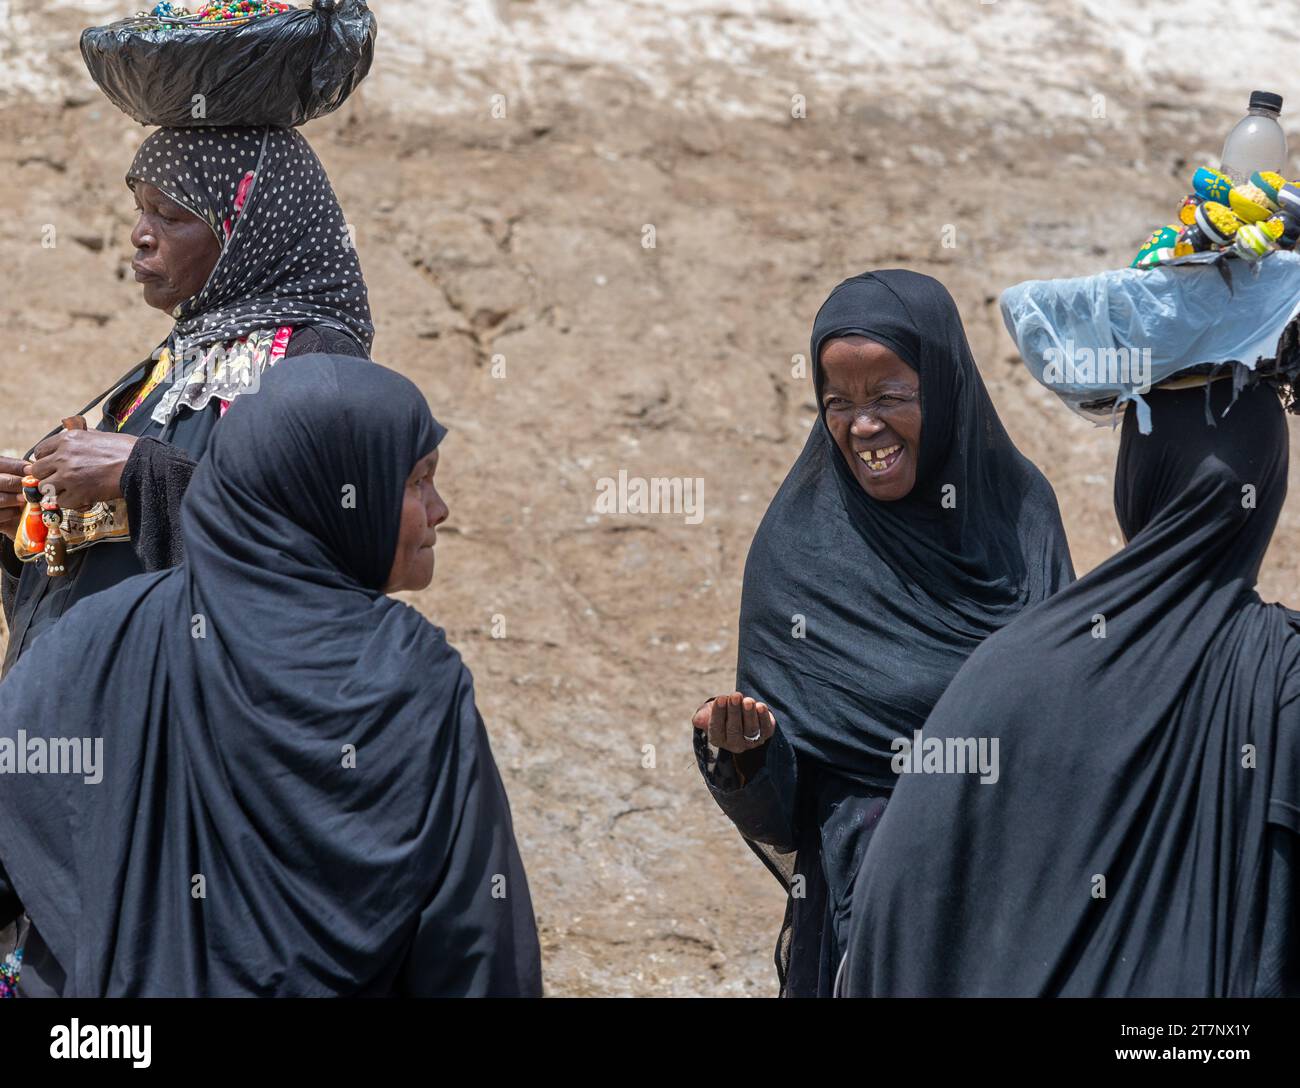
<point>1218,223</point>
<point>1211,185</point>
<point>240,10</point>
<point>1158,248</point>
<point>1253,242</point>
<point>1250,203</point>
<point>1268,182</point>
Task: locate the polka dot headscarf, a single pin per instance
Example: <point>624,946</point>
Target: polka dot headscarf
<point>286,256</point>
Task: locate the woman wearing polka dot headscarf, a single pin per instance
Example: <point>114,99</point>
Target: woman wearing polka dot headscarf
<point>241,240</point>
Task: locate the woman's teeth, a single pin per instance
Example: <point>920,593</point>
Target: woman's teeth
<point>877,459</point>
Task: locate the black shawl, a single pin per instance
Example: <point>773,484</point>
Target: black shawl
<point>277,733</point>
<point>895,595</point>
<point>1138,838</point>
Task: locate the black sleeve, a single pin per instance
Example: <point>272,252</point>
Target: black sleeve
<point>153,484</point>
<point>762,808</point>
<point>10,571</point>
<point>314,339</point>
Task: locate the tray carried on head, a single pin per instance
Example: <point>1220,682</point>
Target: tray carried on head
<point>1101,341</point>
<point>249,68</point>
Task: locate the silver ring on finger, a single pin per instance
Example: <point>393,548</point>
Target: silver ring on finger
<point>756,736</point>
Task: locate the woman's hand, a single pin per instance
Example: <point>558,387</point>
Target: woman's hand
<point>84,467</point>
<point>735,722</point>
<point>11,495</point>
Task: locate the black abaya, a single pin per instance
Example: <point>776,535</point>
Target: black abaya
<point>1140,838</point>
<point>297,792</point>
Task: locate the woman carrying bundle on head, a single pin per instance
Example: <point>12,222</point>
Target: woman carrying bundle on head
<point>241,241</point>
<point>1142,837</point>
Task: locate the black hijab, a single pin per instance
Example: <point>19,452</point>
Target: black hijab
<point>894,595</point>
<point>275,724</point>
<point>1123,758</point>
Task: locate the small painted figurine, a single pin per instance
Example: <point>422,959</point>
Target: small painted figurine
<point>33,520</point>
<point>56,551</point>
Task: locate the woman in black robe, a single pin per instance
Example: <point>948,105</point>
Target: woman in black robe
<point>1141,837</point>
<point>241,240</point>
<point>296,794</point>
<point>909,529</point>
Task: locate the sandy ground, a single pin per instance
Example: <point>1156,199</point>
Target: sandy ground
<point>521,237</point>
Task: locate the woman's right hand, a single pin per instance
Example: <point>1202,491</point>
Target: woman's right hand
<point>736,722</point>
<point>11,495</point>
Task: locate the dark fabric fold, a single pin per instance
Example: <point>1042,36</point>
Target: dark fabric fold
<point>1148,722</point>
<point>11,571</point>
<point>758,808</point>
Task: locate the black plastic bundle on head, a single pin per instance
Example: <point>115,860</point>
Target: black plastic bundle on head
<point>283,69</point>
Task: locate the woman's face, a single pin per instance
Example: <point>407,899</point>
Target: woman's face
<point>422,512</point>
<point>872,401</point>
<point>175,251</point>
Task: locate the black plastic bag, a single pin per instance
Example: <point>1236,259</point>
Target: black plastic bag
<point>280,69</point>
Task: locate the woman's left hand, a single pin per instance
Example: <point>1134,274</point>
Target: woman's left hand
<point>84,467</point>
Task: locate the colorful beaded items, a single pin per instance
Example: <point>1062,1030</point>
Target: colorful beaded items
<point>10,968</point>
<point>1250,220</point>
<point>50,532</point>
<point>229,11</point>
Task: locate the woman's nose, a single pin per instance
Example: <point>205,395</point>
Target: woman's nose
<point>865,425</point>
<point>438,512</point>
<point>141,237</point>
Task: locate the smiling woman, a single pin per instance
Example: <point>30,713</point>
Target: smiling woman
<point>909,530</point>
<point>872,408</point>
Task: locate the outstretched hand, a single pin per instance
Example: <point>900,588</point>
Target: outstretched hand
<point>736,723</point>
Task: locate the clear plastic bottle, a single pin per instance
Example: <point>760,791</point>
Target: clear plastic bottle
<point>1257,142</point>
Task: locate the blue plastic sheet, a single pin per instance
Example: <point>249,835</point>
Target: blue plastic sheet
<point>1108,338</point>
